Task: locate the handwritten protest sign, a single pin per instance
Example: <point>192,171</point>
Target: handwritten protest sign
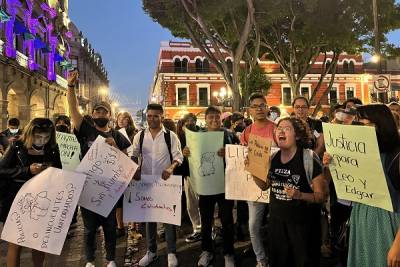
<point>69,150</point>
<point>239,183</point>
<point>206,167</point>
<point>153,199</point>
<point>42,210</point>
<point>108,173</point>
<point>356,167</point>
<point>259,151</point>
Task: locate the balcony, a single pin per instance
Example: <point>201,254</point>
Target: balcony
<point>22,59</point>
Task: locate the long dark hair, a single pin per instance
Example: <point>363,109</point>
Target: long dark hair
<point>302,131</point>
<point>386,129</point>
<point>130,129</point>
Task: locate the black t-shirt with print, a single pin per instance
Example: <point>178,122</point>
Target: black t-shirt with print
<point>291,174</point>
<point>88,133</point>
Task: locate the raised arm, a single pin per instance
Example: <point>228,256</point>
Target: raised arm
<point>76,116</point>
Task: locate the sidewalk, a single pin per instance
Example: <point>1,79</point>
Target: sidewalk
<point>73,254</point>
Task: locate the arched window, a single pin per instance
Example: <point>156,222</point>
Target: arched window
<point>177,65</point>
<point>199,65</point>
<point>184,67</point>
<point>351,67</point>
<point>345,67</point>
<point>206,65</point>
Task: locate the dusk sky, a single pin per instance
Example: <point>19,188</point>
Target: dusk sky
<point>128,41</point>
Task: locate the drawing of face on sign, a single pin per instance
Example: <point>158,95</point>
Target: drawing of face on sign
<point>207,164</point>
<point>36,206</point>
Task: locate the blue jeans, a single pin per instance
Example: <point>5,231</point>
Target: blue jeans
<point>170,237</point>
<point>92,222</point>
<point>256,214</point>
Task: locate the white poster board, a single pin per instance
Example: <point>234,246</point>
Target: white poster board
<point>129,150</point>
<point>70,150</point>
<point>42,211</point>
<point>108,173</point>
<point>153,199</point>
<point>239,183</point>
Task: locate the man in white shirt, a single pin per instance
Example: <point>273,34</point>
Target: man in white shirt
<point>160,153</point>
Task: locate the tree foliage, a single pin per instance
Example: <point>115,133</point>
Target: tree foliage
<point>254,81</point>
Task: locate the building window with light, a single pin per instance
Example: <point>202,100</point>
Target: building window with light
<point>182,96</point>
<point>305,92</point>
<point>350,92</point>
<point>333,97</point>
<point>286,96</point>
<point>203,96</point>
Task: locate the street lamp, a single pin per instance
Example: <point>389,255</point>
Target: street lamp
<point>223,96</point>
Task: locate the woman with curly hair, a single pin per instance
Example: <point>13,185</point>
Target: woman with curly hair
<point>297,190</point>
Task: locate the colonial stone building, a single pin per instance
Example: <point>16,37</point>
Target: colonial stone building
<point>186,82</point>
<point>35,55</point>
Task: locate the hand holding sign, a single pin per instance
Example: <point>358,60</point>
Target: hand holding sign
<point>259,150</point>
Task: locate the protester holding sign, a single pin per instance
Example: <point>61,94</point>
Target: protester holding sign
<point>159,152</point>
<point>87,134</point>
<point>207,202</point>
<point>264,128</point>
<point>25,158</point>
<point>297,189</point>
<point>374,232</point>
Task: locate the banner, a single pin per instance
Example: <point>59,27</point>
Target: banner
<point>206,167</point>
<point>153,199</point>
<point>239,183</point>
<point>129,150</point>
<point>356,167</point>
<point>42,210</point>
<point>108,173</point>
<point>70,150</point>
<point>259,151</point>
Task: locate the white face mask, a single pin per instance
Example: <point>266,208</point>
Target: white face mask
<point>14,131</point>
<point>273,116</point>
<point>340,116</point>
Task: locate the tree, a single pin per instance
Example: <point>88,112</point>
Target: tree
<point>253,80</point>
<point>215,27</point>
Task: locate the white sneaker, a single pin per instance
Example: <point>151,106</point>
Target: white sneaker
<point>229,261</point>
<point>112,264</point>
<point>172,260</point>
<point>90,264</point>
<point>147,259</point>
<point>205,259</point>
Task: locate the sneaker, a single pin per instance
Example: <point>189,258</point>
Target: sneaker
<point>195,237</point>
<point>90,264</point>
<point>148,259</point>
<point>172,260</point>
<point>229,261</point>
<point>112,264</point>
<point>205,259</point>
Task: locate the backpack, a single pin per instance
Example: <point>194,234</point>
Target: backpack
<point>167,137</point>
<point>308,163</point>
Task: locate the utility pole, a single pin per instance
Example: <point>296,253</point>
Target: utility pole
<point>376,35</point>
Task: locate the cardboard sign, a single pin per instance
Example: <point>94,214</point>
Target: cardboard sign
<point>356,167</point>
<point>239,183</point>
<point>69,150</point>
<point>42,210</point>
<point>108,173</point>
<point>153,199</point>
<point>259,151</point>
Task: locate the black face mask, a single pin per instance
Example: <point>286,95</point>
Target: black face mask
<point>101,122</point>
<point>62,128</point>
<point>191,127</point>
<point>37,147</point>
<point>240,128</point>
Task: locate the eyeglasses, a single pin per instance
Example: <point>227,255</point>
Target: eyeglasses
<point>285,129</point>
<point>300,107</point>
<point>261,106</point>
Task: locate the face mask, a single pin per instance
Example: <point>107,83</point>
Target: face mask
<point>14,131</point>
<point>240,128</point>
<point>62,128</point>
<point>38,145</point>
<point>101,122</point>
<point>191,127</point>
<point>273,116</point>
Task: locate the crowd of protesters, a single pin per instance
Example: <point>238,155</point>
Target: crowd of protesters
<point>303,221</point>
